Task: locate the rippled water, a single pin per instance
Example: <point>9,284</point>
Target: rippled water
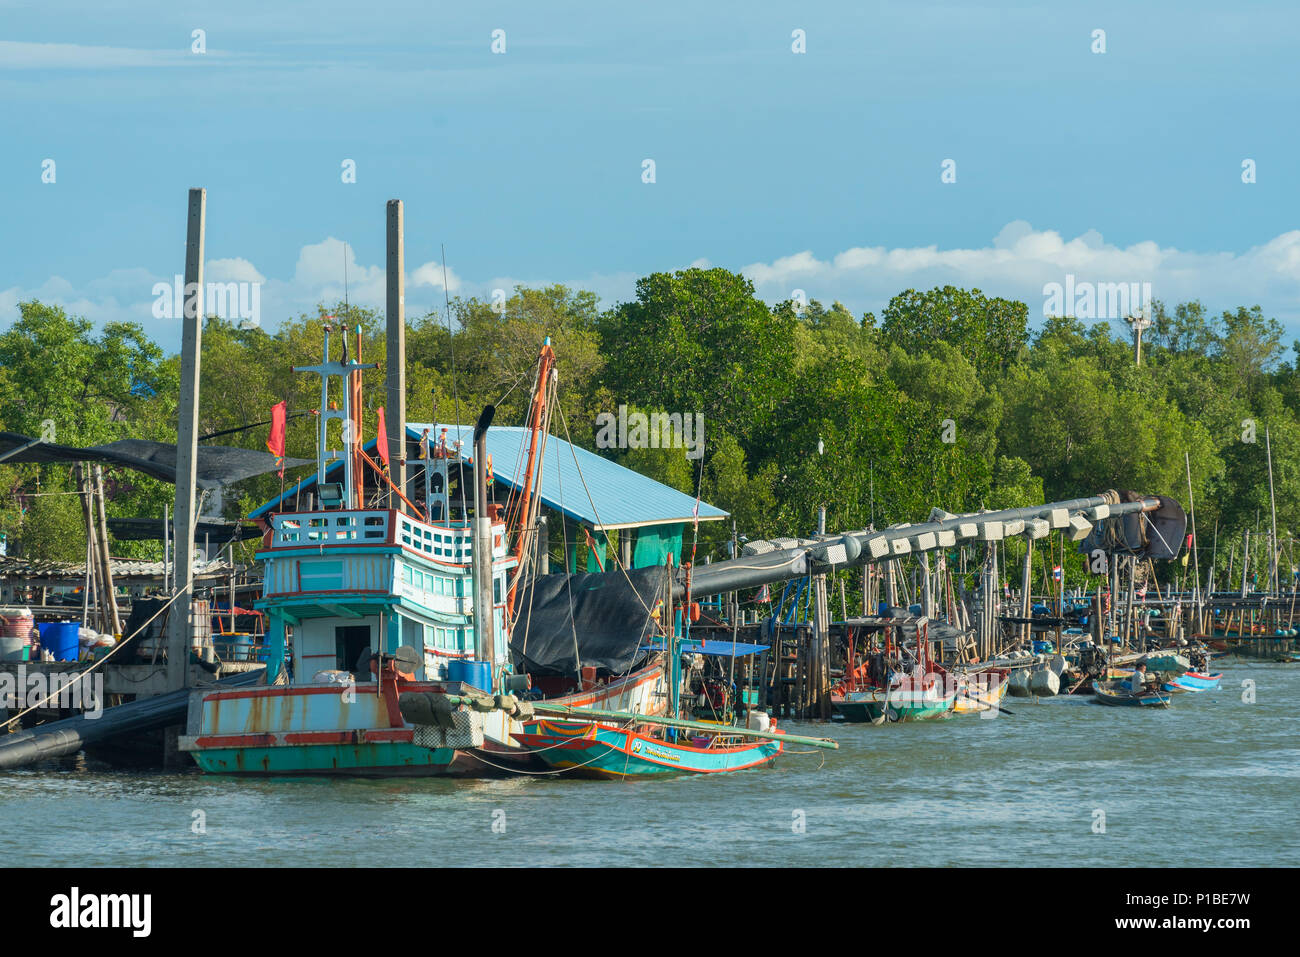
<point>1211,781</point>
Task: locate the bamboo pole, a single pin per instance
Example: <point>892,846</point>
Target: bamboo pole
<point>106,562</point>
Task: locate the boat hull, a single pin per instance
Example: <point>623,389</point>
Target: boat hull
<point>318,730</point>
<point>875,706</point>
<point>1193,681</point>
<point>1117,697</point>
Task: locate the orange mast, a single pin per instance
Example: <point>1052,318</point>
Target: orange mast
<point>526,509</point>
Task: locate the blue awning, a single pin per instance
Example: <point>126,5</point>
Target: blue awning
<point>580,484</point>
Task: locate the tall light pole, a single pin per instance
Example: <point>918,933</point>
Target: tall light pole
<point>1139,321</point>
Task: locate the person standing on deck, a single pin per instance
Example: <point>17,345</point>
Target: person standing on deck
<point>1137,683</point>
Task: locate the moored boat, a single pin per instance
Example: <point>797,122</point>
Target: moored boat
<point>1193,681</point>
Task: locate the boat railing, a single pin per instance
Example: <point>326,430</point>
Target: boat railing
<point>445,543</point>
<point>330,528</point>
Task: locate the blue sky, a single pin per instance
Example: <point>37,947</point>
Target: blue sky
<point>817,171</point>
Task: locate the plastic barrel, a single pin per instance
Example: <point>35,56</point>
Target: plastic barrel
<point>16,622</point>
<point>13,649</point>
<point>476,674</point>
<point>59,638</point>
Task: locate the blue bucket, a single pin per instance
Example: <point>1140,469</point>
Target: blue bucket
<point>59,638</point>
<point>476,674</point>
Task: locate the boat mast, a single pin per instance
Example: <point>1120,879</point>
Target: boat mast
<point>524,517</point>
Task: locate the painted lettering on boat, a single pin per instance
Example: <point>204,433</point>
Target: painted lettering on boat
<point>637,748</point>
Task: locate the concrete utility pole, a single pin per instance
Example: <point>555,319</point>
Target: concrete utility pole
<point>395,365</point>
<point>187,448</point>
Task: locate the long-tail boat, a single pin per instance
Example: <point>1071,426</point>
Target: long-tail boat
<point>1193,681</point>
<point>1115,693</point>
<point>588,749</point>
<point>631,747</point>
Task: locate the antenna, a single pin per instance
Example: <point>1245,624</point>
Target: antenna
<point>455,391</point>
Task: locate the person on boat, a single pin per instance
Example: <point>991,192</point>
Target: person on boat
<point>1138,681</point>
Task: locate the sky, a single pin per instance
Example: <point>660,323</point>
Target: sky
<point>910,144</point>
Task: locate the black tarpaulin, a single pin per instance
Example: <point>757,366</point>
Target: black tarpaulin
<point>1156,534</point>
<point>151,529</point>
<point>216,464</point>
<point>609,617</point>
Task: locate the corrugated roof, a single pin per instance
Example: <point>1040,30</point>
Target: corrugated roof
<point>619,497</point>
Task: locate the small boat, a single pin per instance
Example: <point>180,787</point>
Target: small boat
<point>599,751</point>
<point>902,701</point>
<point>1288,657</point>
<point>917,690</point>
<point>981,692</point>
<point>1113,693</point>
<point>1193,681</point>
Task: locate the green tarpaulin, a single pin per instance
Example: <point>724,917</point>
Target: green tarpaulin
<point>655,544</point>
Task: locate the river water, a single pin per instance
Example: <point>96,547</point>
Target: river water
<point>1210,781</point>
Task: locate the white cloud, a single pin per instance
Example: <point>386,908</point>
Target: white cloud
<point>1017,263</point>
<point>1021,260</point>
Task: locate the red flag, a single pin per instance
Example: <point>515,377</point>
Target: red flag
<point>382,438</point>
<point>275,441</point>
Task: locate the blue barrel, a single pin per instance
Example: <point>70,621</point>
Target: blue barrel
<point>476,674</point>
<point>59,638</point>
<point>1043,647</point>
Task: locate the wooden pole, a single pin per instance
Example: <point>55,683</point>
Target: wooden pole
<point>110,596</point>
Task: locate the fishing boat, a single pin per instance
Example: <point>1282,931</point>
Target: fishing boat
<point>587,749</point>
<point>365,605</point>
<point>1193,681</point>
<point>896,683</point>
<point>1113,693</point>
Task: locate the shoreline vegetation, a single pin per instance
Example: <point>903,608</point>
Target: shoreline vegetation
<point>948,398</point>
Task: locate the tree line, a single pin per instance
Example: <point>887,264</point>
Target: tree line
<point>948,398</point>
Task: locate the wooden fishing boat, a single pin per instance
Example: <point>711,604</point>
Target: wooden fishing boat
<point>1113,693</point>
<point>600,751</point>
<point>906,700</point>
<point>924,691</point>
<point>1193,681</point>
<point>381,602</point>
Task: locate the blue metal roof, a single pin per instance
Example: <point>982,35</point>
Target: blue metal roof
<point>619,497</point>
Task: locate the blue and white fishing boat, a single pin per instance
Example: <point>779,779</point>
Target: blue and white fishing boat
<point>365,604</point>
